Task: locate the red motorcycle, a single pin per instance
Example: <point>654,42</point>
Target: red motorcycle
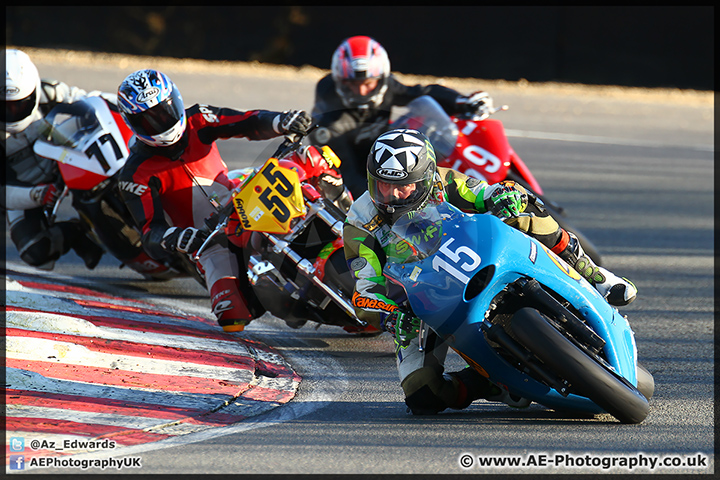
<point>477,146</point>
<point>89,142</point>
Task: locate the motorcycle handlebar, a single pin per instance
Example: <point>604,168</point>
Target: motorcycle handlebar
<point>291,143</point>
<point>486,112</point>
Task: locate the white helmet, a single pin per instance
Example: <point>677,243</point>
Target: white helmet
<point>22,91</point>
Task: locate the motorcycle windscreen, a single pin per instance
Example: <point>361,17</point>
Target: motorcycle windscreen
<point>416,235</point>
<point>425,115</point>
<point>85,136</point>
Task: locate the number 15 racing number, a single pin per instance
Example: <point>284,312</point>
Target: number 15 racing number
<point>470,261</point>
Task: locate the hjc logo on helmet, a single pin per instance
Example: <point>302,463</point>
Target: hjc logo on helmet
<point>9,91</point>
<point>391,173</point>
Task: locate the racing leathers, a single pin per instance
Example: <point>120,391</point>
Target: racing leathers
<point>29,179</point>
<point>172,186</point>
<point>350,132</point>
<point>421,370</point>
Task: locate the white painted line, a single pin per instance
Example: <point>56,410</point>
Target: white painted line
<point>56,323</point>
<point>569,137</point>
<point>26,380</point>
<point>125,421</point>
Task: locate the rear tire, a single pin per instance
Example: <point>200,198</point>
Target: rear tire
<point>585,376</point>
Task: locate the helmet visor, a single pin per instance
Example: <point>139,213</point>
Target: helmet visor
<point>398,198</point>
<point>158,119</point>
<point>16,110</point>
<point>361,90</point>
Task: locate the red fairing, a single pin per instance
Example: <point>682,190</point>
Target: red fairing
<point>78,178</point>
<point>310,161</point>
<point>122,126</point>
<point>291,164</point>
<point>482,150</point>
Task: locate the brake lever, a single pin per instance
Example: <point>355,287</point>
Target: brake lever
<point>489,111</point>
<point>53,214</point>
<point>218,228</point>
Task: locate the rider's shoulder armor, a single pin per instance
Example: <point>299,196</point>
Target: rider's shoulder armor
<point>364,215</point>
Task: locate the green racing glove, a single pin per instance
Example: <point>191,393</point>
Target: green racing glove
<point>503,199</point>
<point>403,326</point>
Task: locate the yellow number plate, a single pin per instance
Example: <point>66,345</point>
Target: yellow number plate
<point>270,201</point>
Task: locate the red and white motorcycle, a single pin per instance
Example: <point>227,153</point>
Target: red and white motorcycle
<point>477,146</point>
<point>89,141</point>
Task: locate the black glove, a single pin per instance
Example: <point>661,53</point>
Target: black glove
<point>184,241</point>
<point>294,121</point>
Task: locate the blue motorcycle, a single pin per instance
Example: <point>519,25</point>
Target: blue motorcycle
<point>517,313</point>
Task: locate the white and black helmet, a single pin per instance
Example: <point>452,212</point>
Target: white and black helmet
<point>397,159</point>
<point>22,91</point>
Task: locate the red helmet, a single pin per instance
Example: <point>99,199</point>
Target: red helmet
<point>355,61</point>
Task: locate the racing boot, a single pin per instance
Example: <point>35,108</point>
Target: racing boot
<point>229,305</point>
<point>89,251</point>
<point>617,291</point>
<point>77,237</point>
<point>476,387</point>
<point>498,394</point>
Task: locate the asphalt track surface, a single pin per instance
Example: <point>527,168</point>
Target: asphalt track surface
<point>634,170</point>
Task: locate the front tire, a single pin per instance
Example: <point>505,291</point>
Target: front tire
<point>585,376</point>
<point>645,382</point>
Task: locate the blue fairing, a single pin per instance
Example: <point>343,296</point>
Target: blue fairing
<point>466,244</point>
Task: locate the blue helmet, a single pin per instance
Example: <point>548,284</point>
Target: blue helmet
<point>152,107</point>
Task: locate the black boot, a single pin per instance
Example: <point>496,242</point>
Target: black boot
<point>89,251</point>
<point>77,236</point>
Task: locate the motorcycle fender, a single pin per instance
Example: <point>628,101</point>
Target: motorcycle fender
<point>620,347</point>
<point>323,256</point>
